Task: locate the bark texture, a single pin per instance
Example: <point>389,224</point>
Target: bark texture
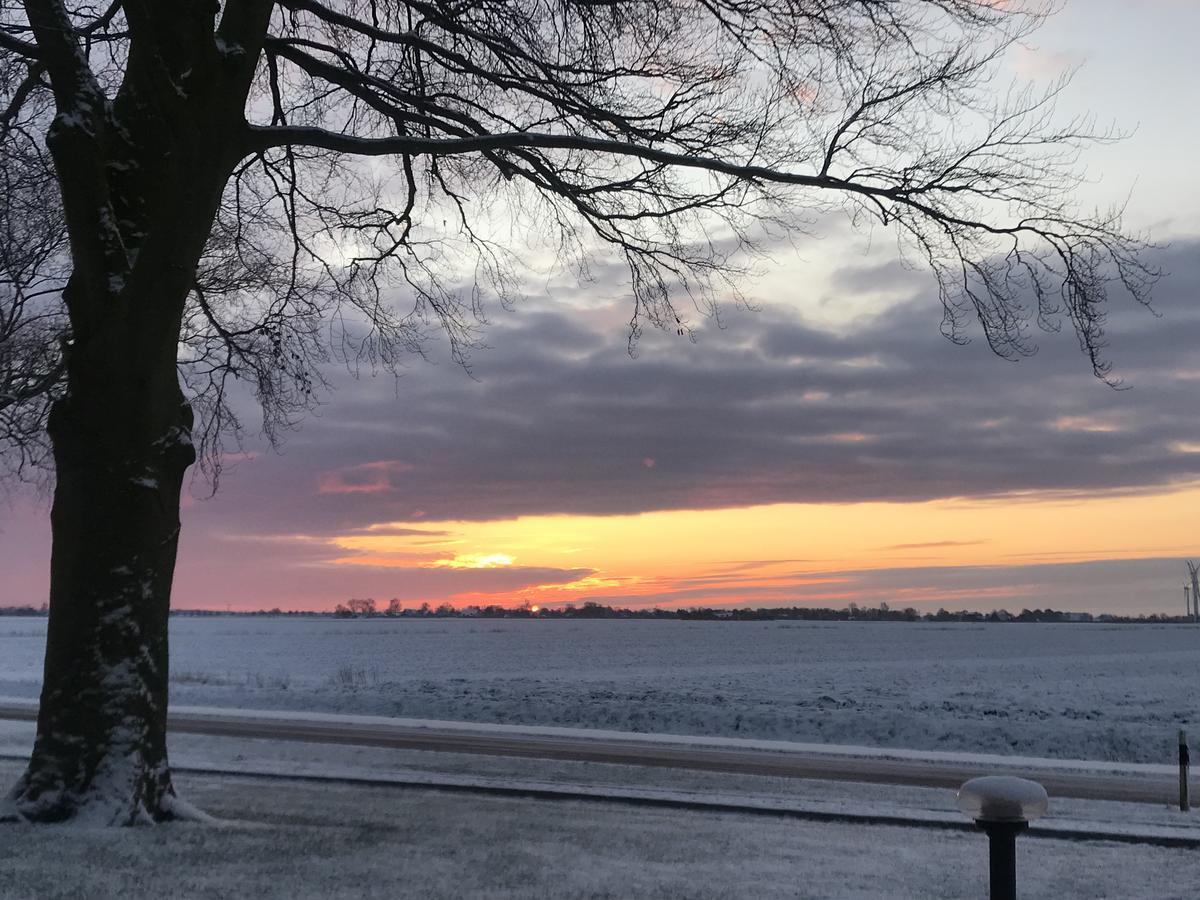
<point>100,754</point>
<point>141,175</point>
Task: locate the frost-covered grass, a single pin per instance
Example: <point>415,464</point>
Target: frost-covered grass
<point>1076,691</point>
<point>335,841</point>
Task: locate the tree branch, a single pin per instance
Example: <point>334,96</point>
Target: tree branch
<point>16,45</point>
<point>263,138</point>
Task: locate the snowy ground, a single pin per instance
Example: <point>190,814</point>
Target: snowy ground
<point>878,798</point>
<point>290,838</point>
<point>307,840</point>
<point>1075,691</point>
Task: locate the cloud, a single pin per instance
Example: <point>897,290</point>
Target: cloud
<point>931,544</point>
<point>364,478</point>
<point>558,418</point>
<point>770,408</point>
<point>475,561</point>
<point>1038,63</point>
<point>1126,586</point>
<point>387,529</point>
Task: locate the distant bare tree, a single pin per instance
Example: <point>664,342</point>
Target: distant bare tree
<point>200,194</point>
<point>364,606</point>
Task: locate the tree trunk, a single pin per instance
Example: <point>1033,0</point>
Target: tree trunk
<point>141,174</point>
<point>100,755</point>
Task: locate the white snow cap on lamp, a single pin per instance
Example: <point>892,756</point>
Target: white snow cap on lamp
<point>1002,798</point>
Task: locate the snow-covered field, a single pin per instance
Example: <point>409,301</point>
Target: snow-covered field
<point>1077,691</point>
<point>1071,691</point>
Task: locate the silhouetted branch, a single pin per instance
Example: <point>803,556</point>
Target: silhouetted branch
<point>392,149</point>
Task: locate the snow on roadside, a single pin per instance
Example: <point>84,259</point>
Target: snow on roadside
<point>321,840</point>
<point>284,758</point>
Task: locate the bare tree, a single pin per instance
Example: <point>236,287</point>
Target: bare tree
<point>33,271</point>
<point>203,194</point>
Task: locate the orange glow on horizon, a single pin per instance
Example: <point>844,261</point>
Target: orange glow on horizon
<point>709,557</point>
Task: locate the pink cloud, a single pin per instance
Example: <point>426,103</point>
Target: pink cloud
<point>365,478</point>
<point>1034,63</point>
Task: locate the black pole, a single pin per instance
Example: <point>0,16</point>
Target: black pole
<point>1002,857</point>
<point>1184,762</point>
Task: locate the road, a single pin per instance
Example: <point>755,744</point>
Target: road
<point>1139,788</point>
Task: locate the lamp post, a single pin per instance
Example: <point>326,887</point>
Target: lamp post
<point>1185,803</point>
<point>1003,806</point>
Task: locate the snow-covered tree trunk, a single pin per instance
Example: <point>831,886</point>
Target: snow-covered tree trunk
<point>141,166</point>
<point>100,755</point>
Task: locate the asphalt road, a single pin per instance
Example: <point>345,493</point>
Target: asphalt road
<point>922,773</point>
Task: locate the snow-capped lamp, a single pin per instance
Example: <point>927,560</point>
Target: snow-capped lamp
<point>1003,806</point>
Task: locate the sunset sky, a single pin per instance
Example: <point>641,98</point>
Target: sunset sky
<point>828,446</point>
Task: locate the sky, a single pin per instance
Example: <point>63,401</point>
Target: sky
<point>827,446</point>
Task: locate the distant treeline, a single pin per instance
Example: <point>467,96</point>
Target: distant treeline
<point>367,609</point>
<point>44,610</point>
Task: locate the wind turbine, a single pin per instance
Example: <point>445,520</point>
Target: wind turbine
<point>1194,572</point>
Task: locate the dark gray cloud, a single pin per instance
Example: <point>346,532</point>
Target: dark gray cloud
<point>560,419</point>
